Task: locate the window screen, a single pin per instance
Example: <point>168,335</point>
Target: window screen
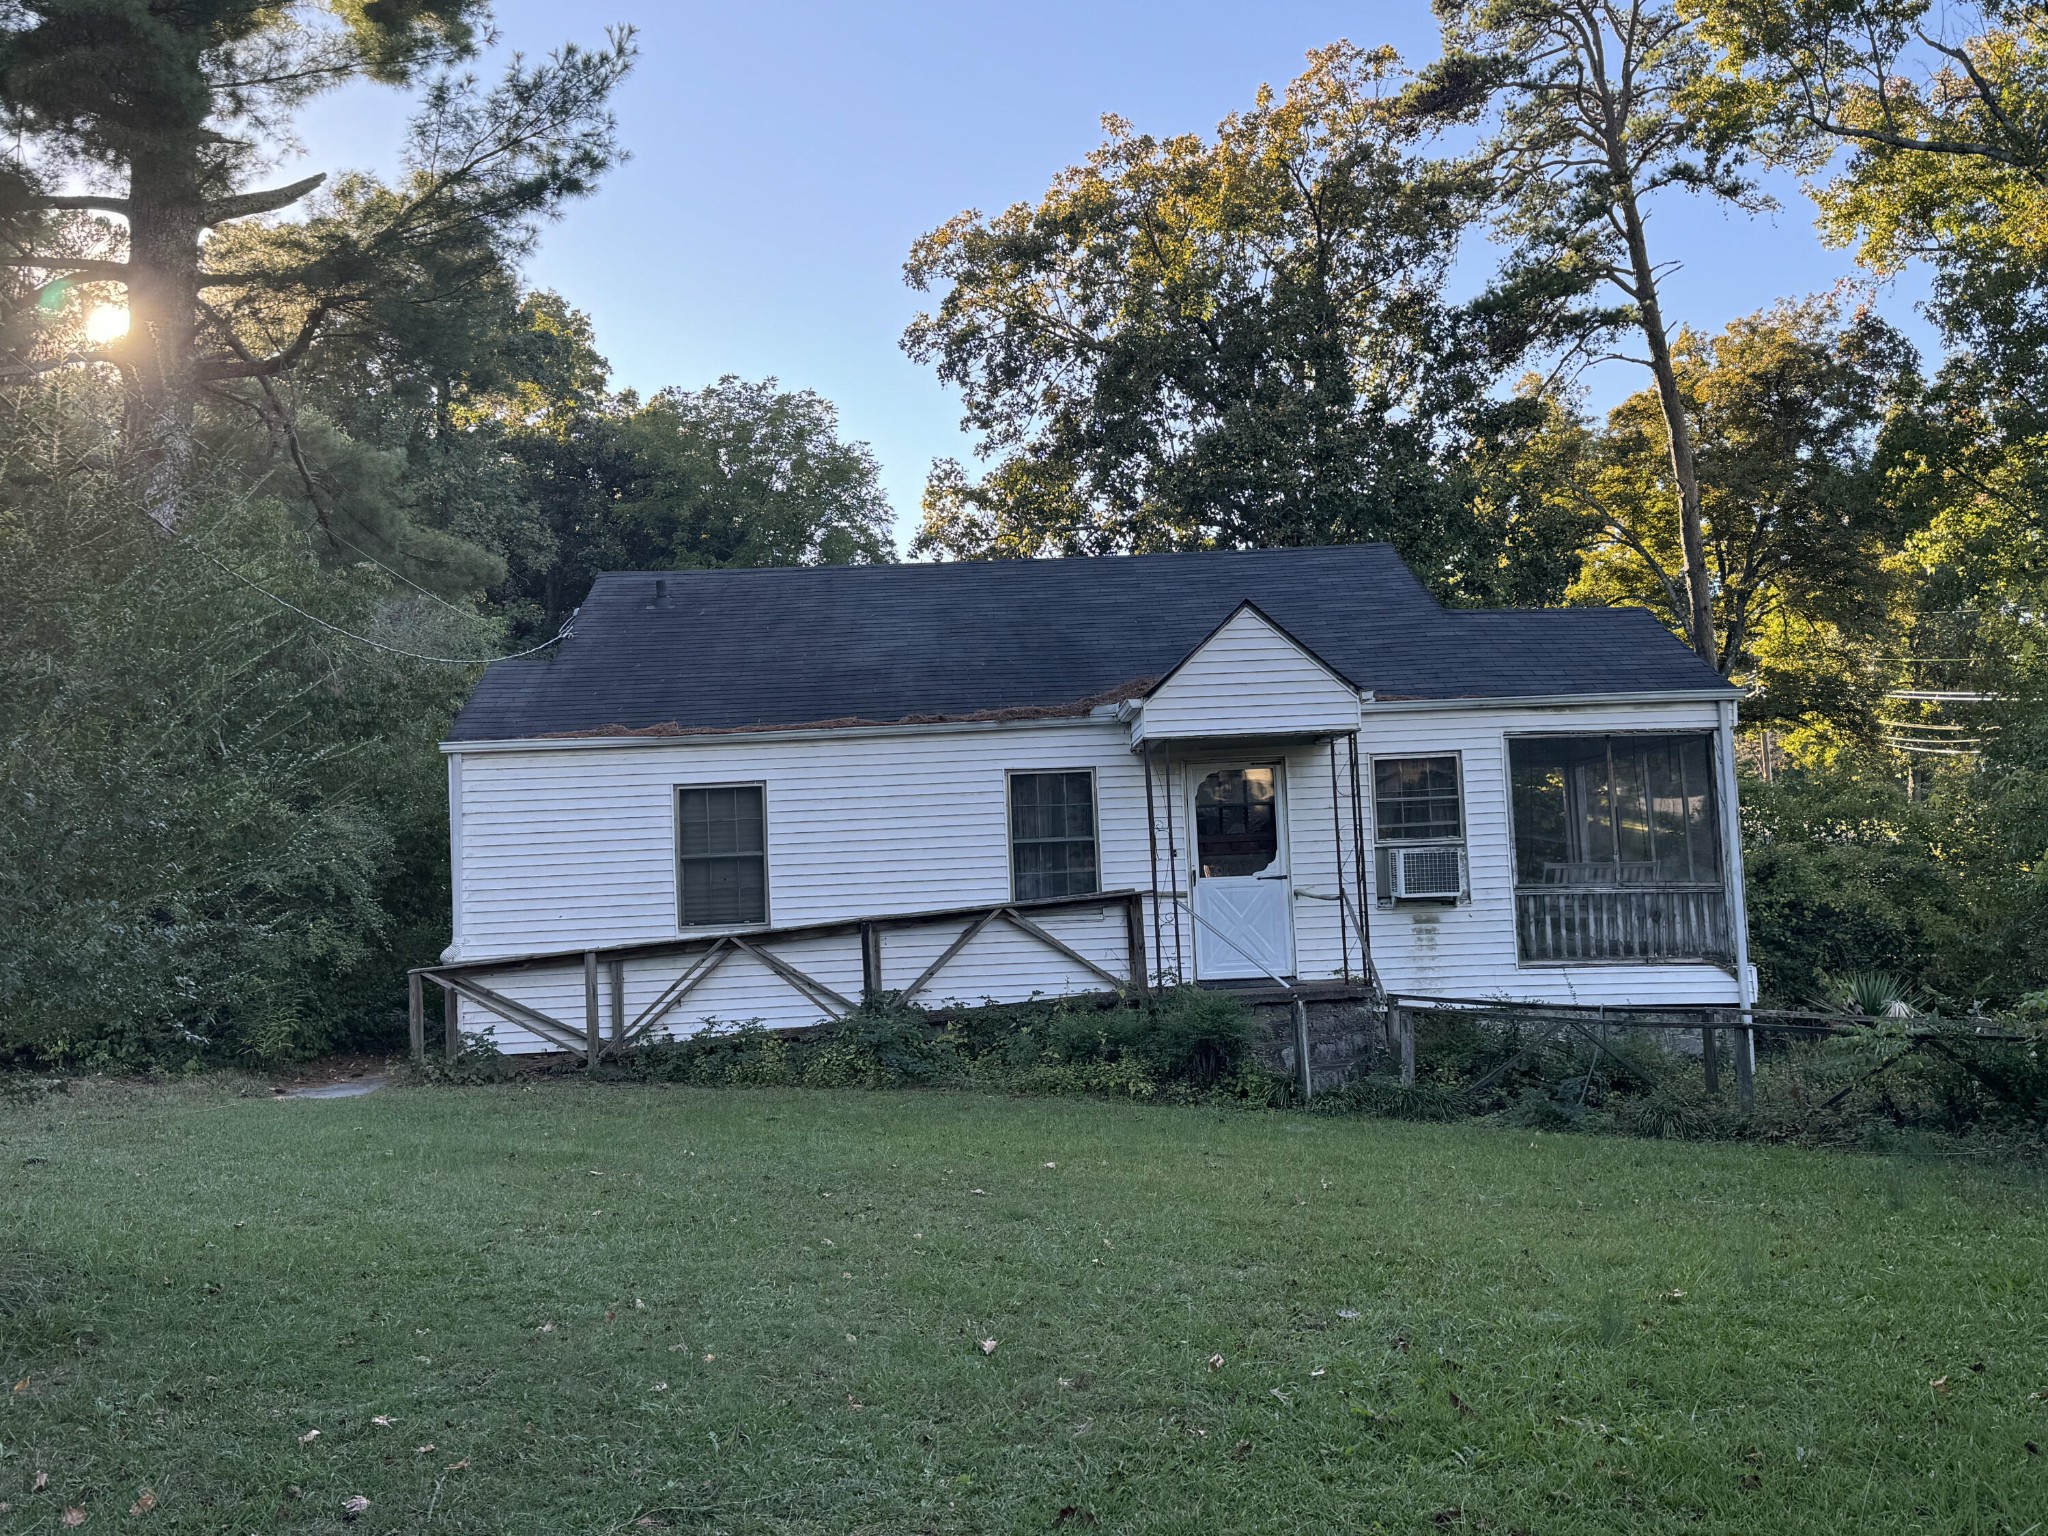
<point>1052,835</point>
<point>721,855</point>
<point>1615,810</point>
<point>1415,800</point>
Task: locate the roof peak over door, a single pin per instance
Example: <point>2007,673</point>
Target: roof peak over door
<point>1248,678</point>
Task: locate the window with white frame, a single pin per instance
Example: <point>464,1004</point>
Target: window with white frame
<point>1419,828</point>
<point>721,855</point>
<point>1052,835</point>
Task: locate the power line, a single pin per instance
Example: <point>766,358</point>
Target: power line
<point>349,634</point>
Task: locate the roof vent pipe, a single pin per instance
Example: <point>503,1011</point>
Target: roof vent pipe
<point>661,589</point>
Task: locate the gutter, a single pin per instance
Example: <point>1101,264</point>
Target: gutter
<point>1101,716</point>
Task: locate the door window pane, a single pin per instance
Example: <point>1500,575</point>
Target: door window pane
<point>1052,835</point>
<point>1237,829</point>
<point>721,855</point>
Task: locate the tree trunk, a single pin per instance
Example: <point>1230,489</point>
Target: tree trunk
<point>1699,595</point>
<point>166,212</point>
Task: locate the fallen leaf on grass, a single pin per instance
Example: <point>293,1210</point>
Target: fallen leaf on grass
<point>988,1346</point>
<point>1052,1165</point>
<point>42,1481</point>
<point>74,1516</point>
<point>423,1450</point>
<point>354,1506</point>
<point>661,1386</point>
<point>1674,1295</point>
<point>650,1523</point>
<point>1318,1371</point>
<point>1940,1384</point>
<point>460,1466</point>
<point>21,1385</point>
<point>978,1191</point>
<point>383,1421</point>
<point>1347,1312</point>
<point>144,1504</point>
<point>1215,1362</point>
<point>309,1437</point>
<point>547,1327</point>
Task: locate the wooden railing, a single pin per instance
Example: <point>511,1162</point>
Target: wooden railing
<point>604,1029</point>
<point>1561,924</point>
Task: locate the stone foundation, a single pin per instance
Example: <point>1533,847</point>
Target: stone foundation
<point>1343,1037</point>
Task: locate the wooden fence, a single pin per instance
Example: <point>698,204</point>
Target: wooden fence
<point>606,1027</point>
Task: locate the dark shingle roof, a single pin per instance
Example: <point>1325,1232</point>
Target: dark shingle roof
<point>732,649</point>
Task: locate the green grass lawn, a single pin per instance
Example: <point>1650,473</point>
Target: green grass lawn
<point>616,1308</point>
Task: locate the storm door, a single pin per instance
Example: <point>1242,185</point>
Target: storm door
<point>1243,899</point>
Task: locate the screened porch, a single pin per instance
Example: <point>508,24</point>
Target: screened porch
<point>1618,855</point>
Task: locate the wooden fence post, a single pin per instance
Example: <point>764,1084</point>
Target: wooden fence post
<point>1404,1019</point>
<point>618,979</point>
<point>870,964</point>
<point>451,1024</point>
<point>416,1013</point>
<point>1710,1056</point>
<point>1308,1076</point>
<point>1745,1067</point>
<point>590,1019</point>
<point>1134,933</point>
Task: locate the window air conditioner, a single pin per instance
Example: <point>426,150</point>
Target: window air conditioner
<point>1428,874</point>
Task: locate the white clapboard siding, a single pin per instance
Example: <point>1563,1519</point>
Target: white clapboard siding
<point>1247,679</point>
<point>567,846</point>
<point>1468,950</point>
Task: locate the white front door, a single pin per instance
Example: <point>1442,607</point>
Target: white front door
<point>1243,900</point>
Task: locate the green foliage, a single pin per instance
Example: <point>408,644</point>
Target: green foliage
<point>1980,1082</point>
<point>1183,1045</point>
<point>1794,413</point>
<point>1241,342</point>
<point>219,834</point>
<point>1848,871</point>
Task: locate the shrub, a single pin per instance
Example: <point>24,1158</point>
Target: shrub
<point>1182,1045</point>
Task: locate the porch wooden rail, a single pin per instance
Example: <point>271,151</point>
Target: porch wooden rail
<point>707,952</point>
<point>1577,924</point>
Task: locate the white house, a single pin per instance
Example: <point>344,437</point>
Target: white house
<point>764,794</point>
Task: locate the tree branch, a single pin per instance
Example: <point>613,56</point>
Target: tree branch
<point>82,266</point>
<point>245,365</point>
<point>89,202</point>
<point>221,209</point>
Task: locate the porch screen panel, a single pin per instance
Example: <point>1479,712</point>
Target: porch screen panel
<point>1618,848</point>
<point>1052,835</point>
<point>1627,810</point>
<point>721,855</point>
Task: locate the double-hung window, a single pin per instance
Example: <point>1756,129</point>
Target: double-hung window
<point>1419,828</point>
<point>1052,835</point>
<point>721,855</point>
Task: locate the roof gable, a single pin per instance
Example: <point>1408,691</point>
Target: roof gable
<point>1248,677</point>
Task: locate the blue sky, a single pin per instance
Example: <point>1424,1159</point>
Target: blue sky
<point>785,156</point>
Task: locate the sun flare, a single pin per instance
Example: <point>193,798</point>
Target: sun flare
<point>105,323</point>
